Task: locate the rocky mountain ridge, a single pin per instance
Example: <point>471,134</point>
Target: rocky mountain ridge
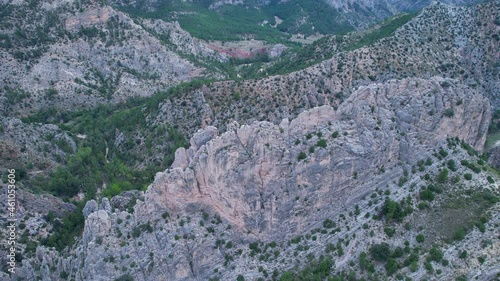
<point>260,183</point>
<point>356,11</point>
<point>263,158</point>
<point>368,164</point>
<point>439,52</point>
<point>80,54</point>
<point>348,14</point>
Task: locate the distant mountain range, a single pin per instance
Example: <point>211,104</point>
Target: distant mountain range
<point>294,16</point>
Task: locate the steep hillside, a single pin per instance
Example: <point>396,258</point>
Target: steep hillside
<point>274,19</point>
<point>361,13</point>
<point>430,44</point>
<point>137,133</point>
<point>250,202</point>
<point>80,54</point>
<point>361,157</point>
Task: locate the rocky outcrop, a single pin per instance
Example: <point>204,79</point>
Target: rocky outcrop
<point>218,4</point>
<point>268,182</point>
<point>183,41</point>
<point>251,175</point>
<point>40,147</point>
<point>275,51</point>
<point>359,13</point>
<point>494,159</point>
<point>87,54</point>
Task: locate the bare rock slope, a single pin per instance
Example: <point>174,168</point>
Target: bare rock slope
<point>264,182</point>
<point>251,174</point>
<point>80,54</point>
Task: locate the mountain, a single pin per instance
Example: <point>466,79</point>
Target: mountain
<point>92,51</point>
<point>222,19</point>
<point>444,49</point>
<point>259,185</point>
<point>83,53</point>
<point>370,155</point>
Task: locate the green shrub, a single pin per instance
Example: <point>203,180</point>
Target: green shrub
<point>380,252</point>
<point>443,176</point>
<point>64,233</point>
<point>459,234</point>
<point>463,255</point>
<point>435,254</point>
<point>301,156</point>
<point>364,263</point>
<point>448,112</point>
<point>64,275</point>
<point>389,231</point>
<point>287,276</point>
<point>427,195</point>
<point>443,152</point>
<point>420,238</point>
<point>165,215</point>
<point>422,205</point>
<point>328,223</point>
<point>321,143</point>
<point>125,277</point>
<point>429,267</point>
<point>391,266</point>
<point>414,266</point>
<point>393,210</point>
<point>451,165</point>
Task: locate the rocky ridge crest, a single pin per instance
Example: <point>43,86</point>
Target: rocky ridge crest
<point>263,182</point>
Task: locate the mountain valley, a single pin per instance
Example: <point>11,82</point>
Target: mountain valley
<point>152,140</point>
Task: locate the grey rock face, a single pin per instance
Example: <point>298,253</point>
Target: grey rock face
<point>105,205</point>
<point>89,208</point>
<point>494,159</point>
<point>125,199</point>
<point>263,182</point>
<point>45,146</point>
<point>244,174</point>
<point>276,50</point>
<point>203,136</point>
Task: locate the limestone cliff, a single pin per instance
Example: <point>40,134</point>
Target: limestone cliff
<point>251,175</point>
<point>266,182</point>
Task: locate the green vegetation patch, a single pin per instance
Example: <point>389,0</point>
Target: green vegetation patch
<point>234,22</point>
<point>386,29</point>
<point>97,161</point>
<point>456,214</point>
